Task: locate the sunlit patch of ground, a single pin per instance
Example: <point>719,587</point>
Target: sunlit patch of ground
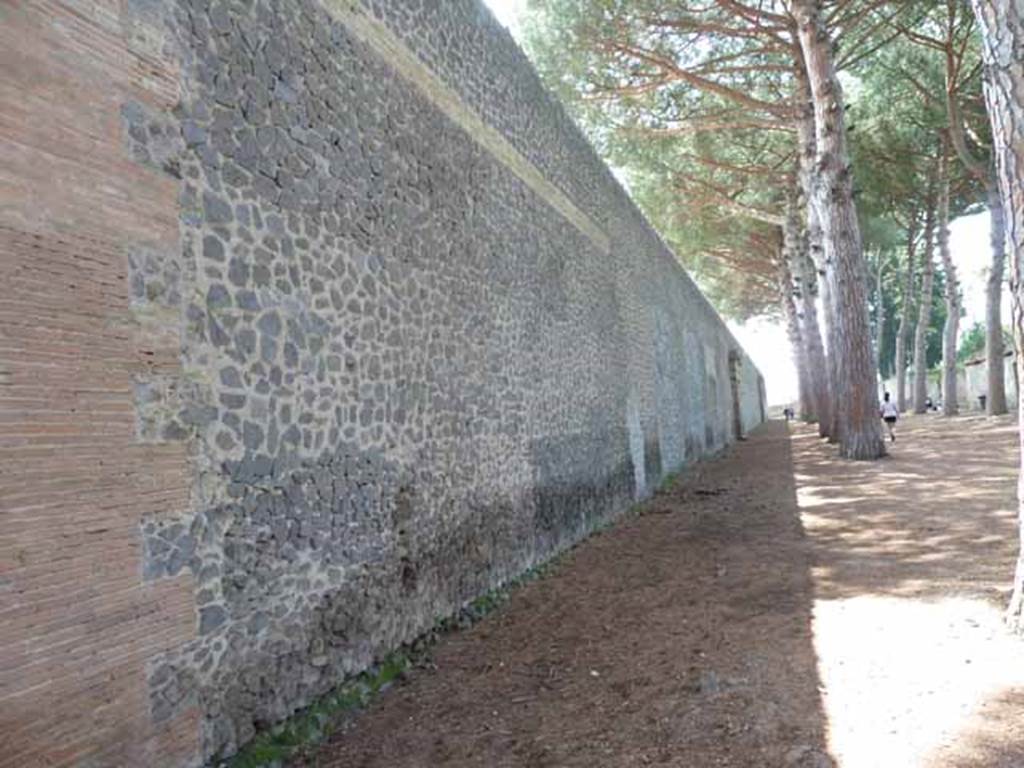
<point>901,676</point>
<point>680,638</point>
<point>912,563</point>
<point>776,608</point>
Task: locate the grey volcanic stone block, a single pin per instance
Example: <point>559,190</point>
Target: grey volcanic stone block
<point>210,618</point>
<point>413,376</point>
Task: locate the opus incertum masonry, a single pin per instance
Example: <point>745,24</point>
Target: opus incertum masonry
<point>326,320</point>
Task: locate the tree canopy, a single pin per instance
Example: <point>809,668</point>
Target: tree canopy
<point>694,104</point>
<point>805,158</point>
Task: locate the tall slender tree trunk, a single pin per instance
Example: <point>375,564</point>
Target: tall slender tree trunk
<point>812,264</point>
<point>879,319</point>
<point>817,362</point>
<point>855,395</point>
<point>995,404</point>
<point>1002,32</point>
<point>828,425</point>
<point>813,261</point>
<point>789,235</point>
<point>924,307</point>
<point>832,429</point>
<point>950,403</point>
<point>904,324</point>
<point>804,285</point>
<point>985,173</point>
<point>796,341</point>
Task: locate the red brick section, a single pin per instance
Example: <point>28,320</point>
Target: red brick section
<point>77,624</point>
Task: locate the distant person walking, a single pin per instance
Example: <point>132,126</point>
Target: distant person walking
<point>890,414</point>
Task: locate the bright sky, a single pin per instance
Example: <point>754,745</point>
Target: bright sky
<point>508,12</point>
<point>766,342</point>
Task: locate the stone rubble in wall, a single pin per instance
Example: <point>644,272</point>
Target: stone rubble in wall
<point>313,348</point>
<point>401,368</point>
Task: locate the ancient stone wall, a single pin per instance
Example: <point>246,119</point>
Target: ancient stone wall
<point>319,319</point>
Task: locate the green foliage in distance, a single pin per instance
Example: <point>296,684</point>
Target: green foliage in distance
<point>697,163</point>
<point>972,343</point>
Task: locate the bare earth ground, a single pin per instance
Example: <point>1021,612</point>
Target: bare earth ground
<point>776,607</point>
<point>913,562</point>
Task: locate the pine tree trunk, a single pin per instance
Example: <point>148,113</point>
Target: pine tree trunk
<point>985,173</point>
<point>817,363</point>
<point>924,307</point>
<point>879,321</point>
<point>812,264</point>
<point>904,324</point>
<point>1002,32</point>
<point>804,284</point>
<point>828,425</point>
<point>831,366</point>
<point>995,403</point>
<point>950,404</point>
<point>796,342</point>
<point>790,238</point>
<point>855,395</point>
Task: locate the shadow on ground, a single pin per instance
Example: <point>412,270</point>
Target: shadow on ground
<point>682,637</point>
<point>991,738</point>
<point>936,517</point>
<point>913,558</point>
<point>776,607</point>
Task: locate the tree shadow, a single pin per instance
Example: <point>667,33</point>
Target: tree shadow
<point>937,517</point>
<point>913,558</point>
<point>993,737</point>
<point>680,637</point>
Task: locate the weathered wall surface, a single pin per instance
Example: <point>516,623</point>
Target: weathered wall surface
<point>78,624</point>
<point>318,320</point>
<point>975,382</point>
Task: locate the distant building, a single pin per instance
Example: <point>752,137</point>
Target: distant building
<point>933,388</point>
<point>976,371</point>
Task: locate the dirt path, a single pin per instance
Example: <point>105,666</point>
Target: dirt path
<point>713,631</point>
<point>913,557</point>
